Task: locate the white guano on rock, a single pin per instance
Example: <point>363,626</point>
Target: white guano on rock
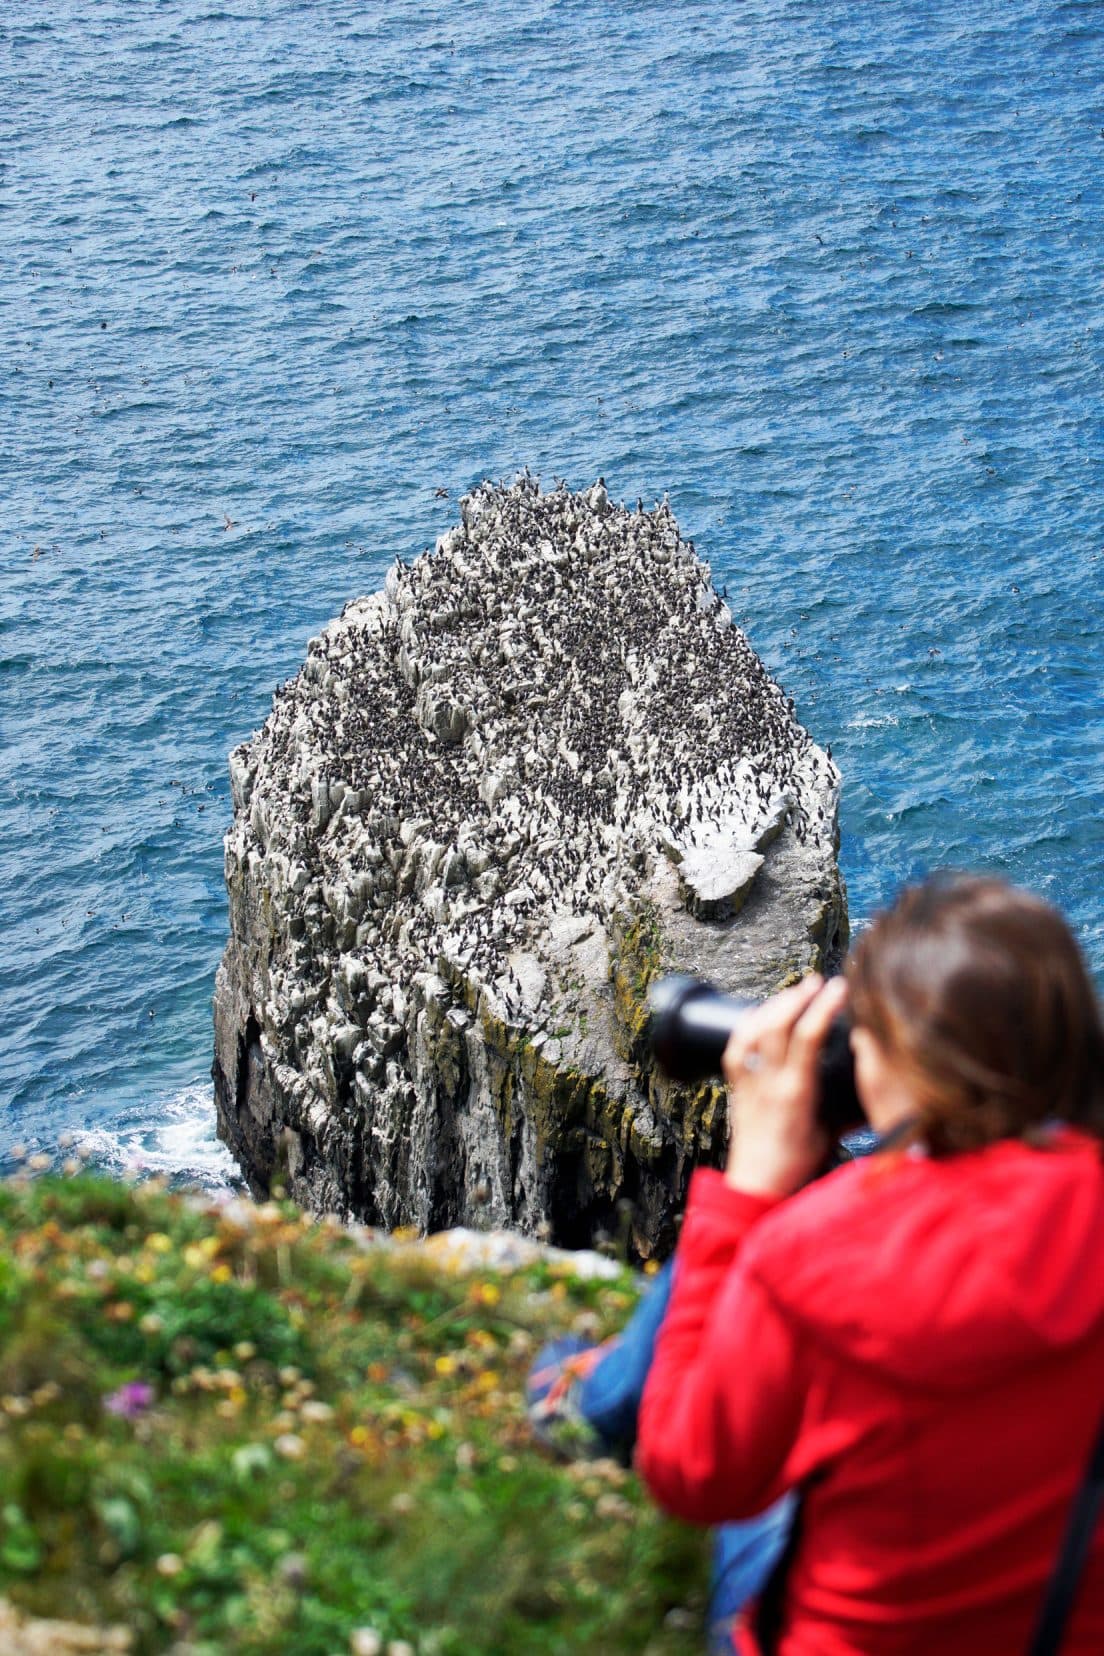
<point>539,767</point>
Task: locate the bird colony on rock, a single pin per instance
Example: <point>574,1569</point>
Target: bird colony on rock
<point>540,766</point>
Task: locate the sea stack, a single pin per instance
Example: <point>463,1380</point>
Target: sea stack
<point>539,768</point>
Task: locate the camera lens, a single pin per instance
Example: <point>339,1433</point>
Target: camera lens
<point>691,1022</point>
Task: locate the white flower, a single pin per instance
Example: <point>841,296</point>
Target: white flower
<point>365,1641</point>
<point>314,1412</point>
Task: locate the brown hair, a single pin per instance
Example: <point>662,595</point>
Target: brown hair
<point>980,992</point>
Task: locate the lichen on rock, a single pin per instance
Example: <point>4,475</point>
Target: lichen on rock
<point>539,767</point>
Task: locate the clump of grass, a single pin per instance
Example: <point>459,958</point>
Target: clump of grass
<point>236,1430</point>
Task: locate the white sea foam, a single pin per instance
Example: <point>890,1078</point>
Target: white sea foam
<point>173,1137</point>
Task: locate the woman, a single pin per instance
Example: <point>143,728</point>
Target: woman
<point>914,1345</point>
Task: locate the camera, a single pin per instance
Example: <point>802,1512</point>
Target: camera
<point>689,1026</point>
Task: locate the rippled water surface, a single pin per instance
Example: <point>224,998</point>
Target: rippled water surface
<point>274,274</point>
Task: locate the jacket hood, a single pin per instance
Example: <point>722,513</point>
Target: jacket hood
<point>945,1274</point>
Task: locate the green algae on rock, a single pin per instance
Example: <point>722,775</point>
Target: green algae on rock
<point>501,795</point>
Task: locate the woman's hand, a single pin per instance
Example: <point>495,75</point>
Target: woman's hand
<point>776,1143</point>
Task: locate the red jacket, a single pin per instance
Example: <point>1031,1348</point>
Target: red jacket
<point>919,1344</point>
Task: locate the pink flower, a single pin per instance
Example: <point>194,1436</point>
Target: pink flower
<point>131,1400</point>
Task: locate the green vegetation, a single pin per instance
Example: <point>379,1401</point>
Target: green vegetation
<point>641,955</point>
<point>239,1431</point>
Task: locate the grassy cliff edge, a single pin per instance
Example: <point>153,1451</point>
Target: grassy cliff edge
<point>235,1428</point>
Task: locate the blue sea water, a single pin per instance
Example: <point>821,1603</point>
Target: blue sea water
<point>828,272</point>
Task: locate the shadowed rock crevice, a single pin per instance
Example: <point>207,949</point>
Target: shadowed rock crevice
<point>501,795</point>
